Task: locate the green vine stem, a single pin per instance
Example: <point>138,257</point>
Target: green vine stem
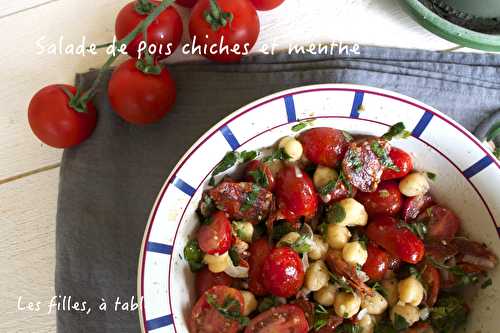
<point>216,17</point>
<point>89,94</point>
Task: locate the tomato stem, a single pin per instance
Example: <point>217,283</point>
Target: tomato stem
<point>216,17</point>
<point>89,94</point>
<point>144,7</point>
<point>148,65</point>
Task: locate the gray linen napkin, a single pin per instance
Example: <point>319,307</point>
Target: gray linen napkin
<point>109,183</point>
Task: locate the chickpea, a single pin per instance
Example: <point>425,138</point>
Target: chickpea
<point>318,248</point>
<point>375,304</point>
<point>347,304</point>
<point>391,289</point>
<point>337,236</point>
<point>250,302</point>
<point>411,291</point>
<point>316,276</point>
<point>217,263</point>
<point>289,238</point>
<point>323,175</point>
<point>355,213</point>
<point>414,184</point>
<point>367,324</point>
<point>354,253</point>
<point>408,312</point>
<point>292,148</point>
<point>326,295</point>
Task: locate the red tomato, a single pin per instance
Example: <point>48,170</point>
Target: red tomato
<point>164,33</point>
<point>206,280</point>
<point>385,200</point>
<point>286,318</point>
<point>415,205</point>
<point>259,250</point>
<point>262,169</point>
<point>377,263</point>
<point>283,272</point>
<point>55,122</point>
<point>324,145</point>
<point>229,42</point>
<point>186,3</point>
<point>397,240</point>
<point>267,4</point>
<point>140,98</point>
<point>431,277</point>
<point>295,193</point>
<point>442,224</point>
<point>206,319</point>
<point>402,160</point>
<point>214,236</point>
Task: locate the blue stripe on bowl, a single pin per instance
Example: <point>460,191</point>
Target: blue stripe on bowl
<point>230,138</point>
<point>159,248</point>
<point>356,104</point>
<point>422,124</point>
<point>290,109</point>
<point>160,322</point>
<point>183,186</point>
<point>478,166</point>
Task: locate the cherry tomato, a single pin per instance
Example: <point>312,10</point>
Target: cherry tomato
<point>295,193</point>
<point>140,98</point>
<point>413,206</point>
<point>402,160</point>
<point>266,4</point>
<point>207,319</point>
<point>55,122</point>
<point>224,40</point>
<point>431,277</point>
<point>283,272</point>
<point>377,263</point>
<point>206,280</point>
<point>385,200</point>
<point>442,224</point>
<point>286,318</point>
<point>397,240</point>
<point>186,3</point>
<point>259,250</point>
<point>164,33</point>
<point>214,236</point>
<point>260,173</point>
<point>324,145</point>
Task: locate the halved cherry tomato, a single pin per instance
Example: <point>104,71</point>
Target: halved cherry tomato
<point>397,240</point>
<point>296,194</point>
<point>164,33</point>
<point>286,318</point>
<point>413,206</point>
<point>324,145</point>
<point>386,199</point>
<point>206,280</point>
<point>402,160</point>
<point>266,4</point>
<point>256,169</point>
<point>282,272</point>
<point>259,250</point>
<point>431,277</point>
<point>442,223</point>
<point>207,319</point>
<point>186,3</point>
<point>377,263</point>
<point>214,236</point>
<point>55,122</point>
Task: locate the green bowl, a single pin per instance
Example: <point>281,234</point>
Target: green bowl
<point>447,30</point>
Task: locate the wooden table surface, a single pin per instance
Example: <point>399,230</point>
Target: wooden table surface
<point>29,170</point>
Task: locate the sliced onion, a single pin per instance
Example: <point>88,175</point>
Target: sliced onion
<point>305,261</point>
<point>478,261</point>
<point>362,313</point>
<point>424,313</point>
<point>298,172</point>
<point>362,275</point>
<point>326,198</point>
<point>237,272</point>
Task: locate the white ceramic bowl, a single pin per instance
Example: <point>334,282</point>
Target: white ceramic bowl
<point>468,181</point>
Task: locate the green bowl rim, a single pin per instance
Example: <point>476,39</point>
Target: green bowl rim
<point>449,31</point>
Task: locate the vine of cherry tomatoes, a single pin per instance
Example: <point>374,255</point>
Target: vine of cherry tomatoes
<point>141,90</point>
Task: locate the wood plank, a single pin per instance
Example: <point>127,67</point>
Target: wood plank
<point>27,251</point>
<point>8,7</point>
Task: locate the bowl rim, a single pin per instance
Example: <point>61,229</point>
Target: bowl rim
<point>448,30</point>
<point>267,99</point>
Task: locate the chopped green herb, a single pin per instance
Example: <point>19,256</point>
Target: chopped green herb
<point>323,228</point>
<point>278,154</point>
<point>354,160</point>
<point>400,322</point>
<point>235,256</point>
<point>249,155</point>
<point>349,328</point>
<point>431,175</point>
<point>328,187</point>
<point>448,313</point>
<point>259,177</point>
<point>280,229</point>
<point>384,158</point>
<point>396,130</point>
<point>229,160</point>
<point>251,198</point>
<point>335,213</point>
<point>319,323</point>
<point>414,272</point>
<point>486,283</point>
<point>303,124</point>
<point>418,228</point>
<point>342,178</point>
<point>384,326</point>
<point>303,244</point>
<point>342,282</point>
<point>379,288</point>
<point>321,316</point>
<point>267,303</point>
<point>193,255</point>
<point>230,309</point>
<point>464,277</point>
